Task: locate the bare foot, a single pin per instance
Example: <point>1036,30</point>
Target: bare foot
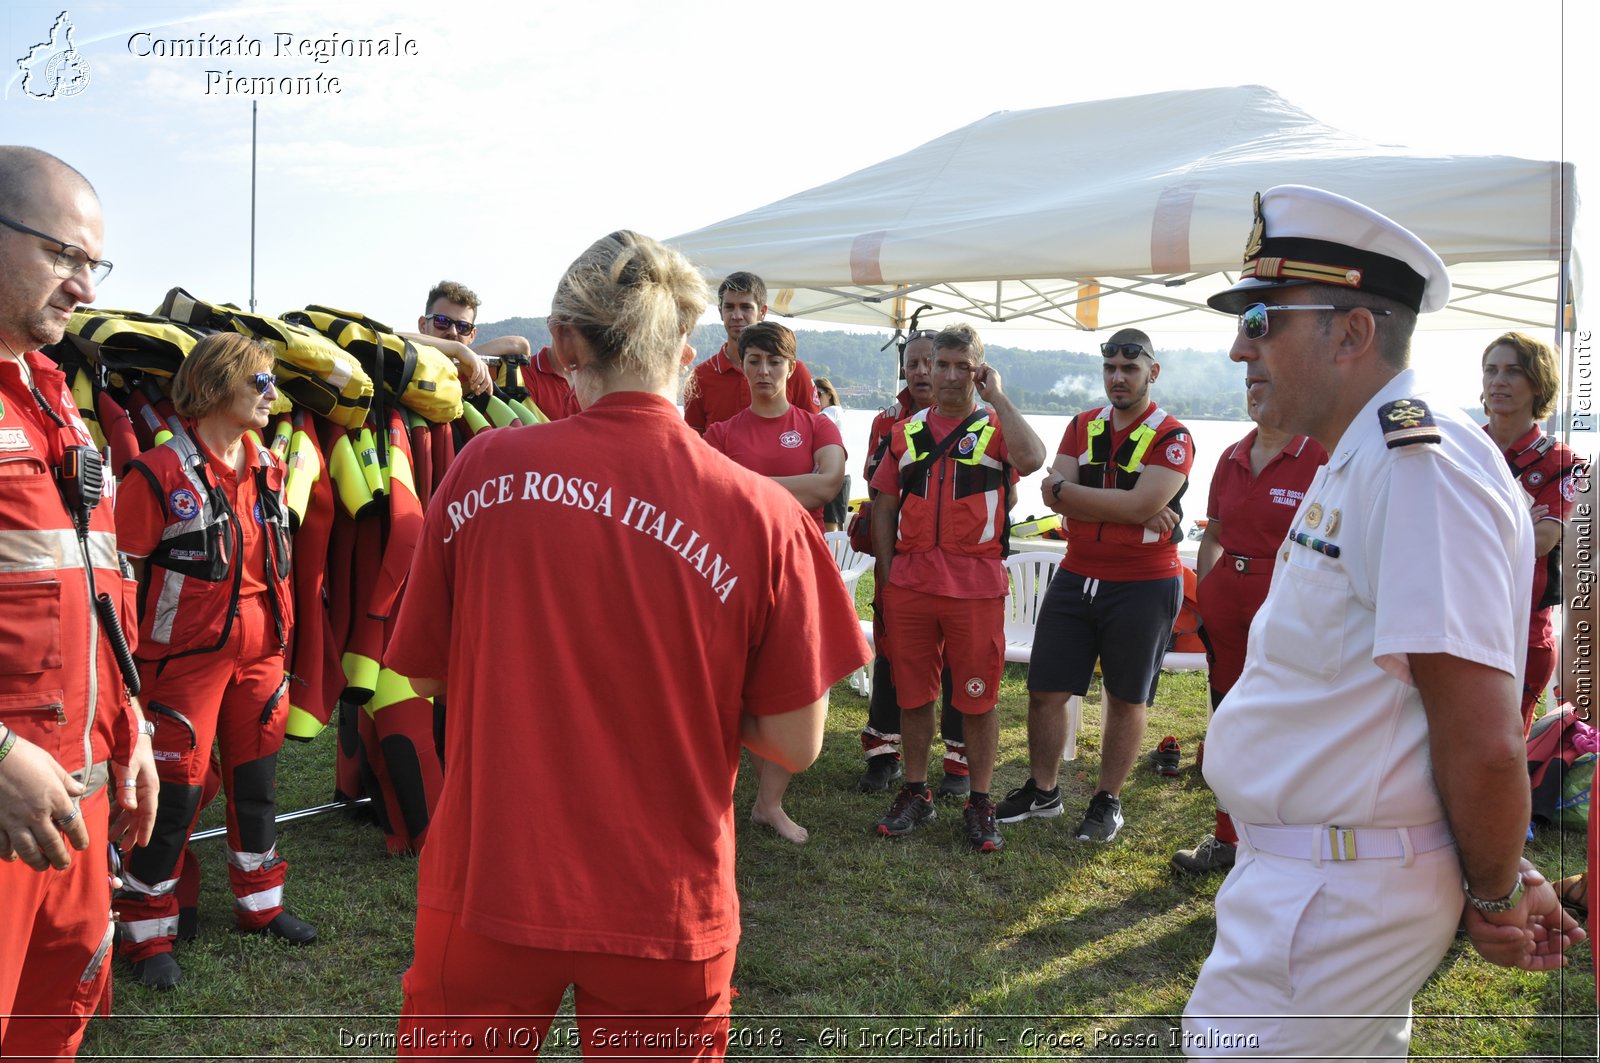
<point>779,820</point>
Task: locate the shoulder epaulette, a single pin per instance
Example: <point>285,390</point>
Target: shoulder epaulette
<point>1407,421</point>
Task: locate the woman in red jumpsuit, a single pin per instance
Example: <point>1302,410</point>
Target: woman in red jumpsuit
<point>203,521</point>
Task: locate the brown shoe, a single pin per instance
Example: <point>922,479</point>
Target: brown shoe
<point>1574,893</point>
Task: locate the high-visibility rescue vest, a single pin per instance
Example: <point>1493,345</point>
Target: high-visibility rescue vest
<point>957,501</point>
<point>191,584</point>
<point>1098,467</point>
<point>59,683</point>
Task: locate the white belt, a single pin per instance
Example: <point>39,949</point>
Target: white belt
<point>1346,843</point>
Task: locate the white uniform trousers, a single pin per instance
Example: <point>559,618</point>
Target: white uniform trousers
<point>1321,960</point>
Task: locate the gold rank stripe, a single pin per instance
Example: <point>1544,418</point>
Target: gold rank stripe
<point>1268,268</point>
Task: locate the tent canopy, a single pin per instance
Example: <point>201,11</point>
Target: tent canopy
<point>1131,211</point>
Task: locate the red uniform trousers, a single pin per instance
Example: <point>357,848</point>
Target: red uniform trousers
<point>470,995</point>
<point>1228,600</point>
<point>235,695</point>
<point>1540,666</point>
<point>55,931</point>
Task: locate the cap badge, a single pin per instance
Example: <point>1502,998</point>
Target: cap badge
<point>1258,229</point>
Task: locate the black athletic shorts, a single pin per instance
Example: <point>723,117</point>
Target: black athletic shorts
<point>838,511</point>
<point>1127,626</point>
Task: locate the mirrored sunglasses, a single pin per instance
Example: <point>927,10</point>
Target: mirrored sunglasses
<point>261,382</point>
<point>444,323</point>
<point>1254,320</point>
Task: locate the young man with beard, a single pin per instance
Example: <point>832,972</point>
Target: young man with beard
<point>1117,479</point>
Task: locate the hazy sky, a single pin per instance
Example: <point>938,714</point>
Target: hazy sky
<point>509,138</point>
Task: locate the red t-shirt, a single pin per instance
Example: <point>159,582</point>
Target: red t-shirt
<point>1548,478</point>
<point>1106,550</point>
<point>655,591</point>
<point>141,517</point>
<point>940,571</point>
<point>719,391</point>
<point>785,445</point>
<point>548,389</point>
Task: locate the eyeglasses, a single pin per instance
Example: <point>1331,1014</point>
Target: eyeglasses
<point>444,323</point>
<point>1126,350</point>
<point>70,258</point>
<point>1253,321</point>
<point>261,382</point>
<point>921,334</point>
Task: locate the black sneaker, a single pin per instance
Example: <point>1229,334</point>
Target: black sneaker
<point>1028,800</point>
<point>1103,820</point>
<point>913,806</point>
<point>983,834</point>
<point>954,785</point>
<point>1209,856</point>
<point>882,770</point>
<point>1165,757</point>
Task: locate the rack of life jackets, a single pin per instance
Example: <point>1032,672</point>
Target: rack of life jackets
<point>366,423</point>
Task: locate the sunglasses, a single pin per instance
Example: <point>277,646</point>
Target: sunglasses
<point>1253,321</point>
<point>1126,350</point>
<point>444,323</point>
<point>70,258</point>
<point>921,334</point>
<point>261,382</point>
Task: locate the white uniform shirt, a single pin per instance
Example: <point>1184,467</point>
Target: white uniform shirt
<point>1435,545</point>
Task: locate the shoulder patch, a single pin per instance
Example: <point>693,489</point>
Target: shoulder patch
<point>1407,421</point>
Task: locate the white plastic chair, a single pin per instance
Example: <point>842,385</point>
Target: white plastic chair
<point>852,563</point>
<point>1029,575</point>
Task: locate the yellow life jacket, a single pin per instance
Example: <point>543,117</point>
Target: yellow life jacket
<point>314,372</point>
<point>120,340</point>
<point>421,377</point>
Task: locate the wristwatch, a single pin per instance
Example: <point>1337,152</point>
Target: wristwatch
<point>1502,904</point>
<point>147,727</point>
<point>1055,490</point>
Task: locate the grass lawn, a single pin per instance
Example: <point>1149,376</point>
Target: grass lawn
<point>854,946</point>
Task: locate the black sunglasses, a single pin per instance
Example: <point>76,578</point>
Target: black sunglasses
<point>1126,350</point>
<point>70,258</point>
<point>444,323</point>
<point>1254,320</point>
<point>261,382</point>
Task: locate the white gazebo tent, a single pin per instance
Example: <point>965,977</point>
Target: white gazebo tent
<point>1131,211</point>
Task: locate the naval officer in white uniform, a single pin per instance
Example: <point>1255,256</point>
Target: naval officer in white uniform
<point>1371,753</point>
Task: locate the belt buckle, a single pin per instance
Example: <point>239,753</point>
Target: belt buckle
<point>1241,564</point>
<point>1341,843</point>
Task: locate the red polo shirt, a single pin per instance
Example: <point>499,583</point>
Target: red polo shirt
<point>548,388</point>
<point>1253,513</point>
